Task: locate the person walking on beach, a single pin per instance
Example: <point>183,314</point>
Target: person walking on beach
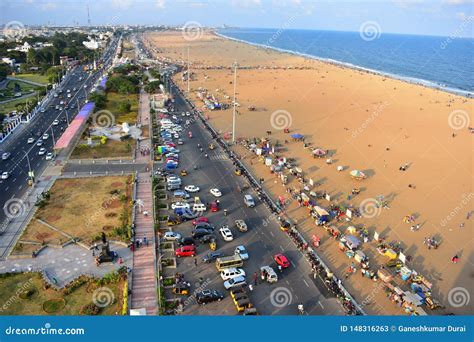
<point>455,259</point>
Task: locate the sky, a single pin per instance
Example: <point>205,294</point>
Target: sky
<point>453,18</point>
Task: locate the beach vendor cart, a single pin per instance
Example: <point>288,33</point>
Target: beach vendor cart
<point>334,231</point>
<point>361,258</point>
<point>390,253</point>
<point>384,275</point>
<point>349,244</point>
<point>405,273</point>
<point>322,215</point>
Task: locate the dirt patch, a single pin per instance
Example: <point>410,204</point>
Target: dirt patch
<point>116,185</point>
<point>113,204</point>
<point>52,218</point>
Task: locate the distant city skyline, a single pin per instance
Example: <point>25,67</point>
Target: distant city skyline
<point>453,18</point>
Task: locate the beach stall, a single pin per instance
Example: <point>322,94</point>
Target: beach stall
<point>297,136</point>
<point>357,174</point>
<point>318,153</point>
<point>322,215</point>
<point>349,243</point>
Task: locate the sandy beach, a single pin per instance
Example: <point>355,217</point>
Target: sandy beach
<point>367,122</point>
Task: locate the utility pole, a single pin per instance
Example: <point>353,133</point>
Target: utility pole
<point>30,173</point>
<point>52,135</point>
<point>67,117</point>
<point>234,102</point>
<point>189,75</point>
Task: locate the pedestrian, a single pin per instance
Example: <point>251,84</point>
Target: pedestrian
<point>455,259</point>
<point>145,240</point>
<point>255,278</point>
<point>201,280</point>
<point>195,262</point>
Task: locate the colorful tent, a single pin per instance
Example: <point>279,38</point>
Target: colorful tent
<point>297,136</point>
<point>319,152</point>
<point>357,174</point>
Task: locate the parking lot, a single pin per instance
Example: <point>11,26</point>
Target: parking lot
<point>263,241</point>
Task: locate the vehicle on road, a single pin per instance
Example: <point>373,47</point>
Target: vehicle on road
<point>183,173</point>
<point>181,194</point>
<point>228,262</point>
<point>49,156</point>
<point>177,205</point>
<point>242,251</point>
<point>241,225</point>
<point>204,225</point>
<point>6,155</point>
<point>171,236</point>
<point>210,257</point>
<point>232,272</point>
<point>200,233</point>
<point>199,207</point>
<point>214,207</point>
<point>187,241</point>
<point>226,233</point>
<point>5,175</point>
<point>234,282</point>
<point>249,202</point>
<point>208,296</point>
<point>268,274</point>
<point>180,142</point>
<point>185,251</point>
<point>56,122</point>
<point>200,219</point>
<point>39,142</point>
<point>31,140</point>
<point>42,151</point>
<point>191,188</point>
<point>45,136</point>
<point>216,192</point>
<point>281,260</point>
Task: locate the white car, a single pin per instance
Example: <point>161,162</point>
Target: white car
<point>188,113</point>
<point>176,136</point>
<point>234,282</point>
<point>183,205</point>
<point>226,233</point>
<point>171,236</point>
<point>180,142</point>
<point>5,175</point>
<point>39,142</point>
<point>216,192</point>
<point>6,155</point>
<point>42,151</point>
<point>191,188</point>
<point>173,178</point>
<point>55,122</point>
<point>240,250</point>
<point>229,273</point>
<point>31,140</point>
<point>45,136</point>
<point>49,156</point>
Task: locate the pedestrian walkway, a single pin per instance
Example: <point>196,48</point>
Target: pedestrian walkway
<point>218,156</point>
<point>143,146</point>
<point>144,277</point>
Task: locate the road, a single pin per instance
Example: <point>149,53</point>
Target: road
<point>25,156</point>
<point>263,240</point>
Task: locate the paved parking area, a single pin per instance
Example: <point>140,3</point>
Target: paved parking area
<point>263,240</point>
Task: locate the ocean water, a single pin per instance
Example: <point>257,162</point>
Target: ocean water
<point>439,62</point>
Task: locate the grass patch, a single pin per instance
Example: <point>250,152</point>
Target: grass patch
<point>98,204</point>
<point>44,300</point>
<point>111,149</point>
<point>38,78</point>
<point>16,104</point>
<point>113,105</point>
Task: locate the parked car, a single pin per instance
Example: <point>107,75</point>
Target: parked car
<point>204,225</point>
<point>234,282</point>
<point>200,219</point>
<point>249,202</point>
<point>187,241</point>
<point>6,155</point>
<point>5,175</point>
<point>210,257</point>
<point>281,260</point>
<point>182,194</point>
<point>199,233</point>
<point>185,251</point>
<point>177,205</point>
<point>199,207</point>
<point>241,225</point>
<point>208,296</point>
<point>191,188</point>
<point>226,233</point>
<point>171,236</point>
<point>242,251</point>
<point>216,192</point>
<point>214,207</point>
<point>232,272</point>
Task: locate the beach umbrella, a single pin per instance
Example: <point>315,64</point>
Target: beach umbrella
<point>297,136</point>
<point>319,152</point>
<point>357,174</point>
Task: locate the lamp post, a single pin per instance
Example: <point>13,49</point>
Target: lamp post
<point>234,102</point>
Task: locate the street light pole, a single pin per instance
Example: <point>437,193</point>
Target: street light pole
<point>67,117</point>
<point>234,103</point>
<point>29,167</point>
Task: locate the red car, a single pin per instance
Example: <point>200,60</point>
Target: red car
<point>281,260</point>
<point>185,251</point>
<point>214,207</point>
<point>200,219</point>
<point>170,144</point>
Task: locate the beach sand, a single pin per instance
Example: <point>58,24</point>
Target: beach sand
<point>368,122</point>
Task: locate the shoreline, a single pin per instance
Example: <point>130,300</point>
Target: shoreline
<point>410,80</point>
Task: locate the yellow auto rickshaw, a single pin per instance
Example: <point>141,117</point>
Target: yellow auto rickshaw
<point>285,225</point>
<point>172,221</point>
<point>238,172</point>
<point>181,288</point>
<point>183,173</point>
<point>211,146</point>
<point>213,245</point>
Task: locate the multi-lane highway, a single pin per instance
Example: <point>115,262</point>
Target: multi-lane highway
<point>24,156</point>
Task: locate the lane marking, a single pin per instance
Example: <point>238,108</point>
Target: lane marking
<point>282,249</point>
<point>321,305</point>
<point>304,281</point>
<point>271,233</point>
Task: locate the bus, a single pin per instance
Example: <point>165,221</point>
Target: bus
<point>229,261</point>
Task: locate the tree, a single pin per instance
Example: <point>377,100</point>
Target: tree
<point>4,71</point>
<point>153,87</point>
<point>124,106</point>
<point>99,99</point>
